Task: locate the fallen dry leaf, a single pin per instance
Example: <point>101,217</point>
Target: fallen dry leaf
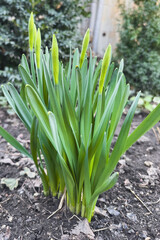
<point>11,183</point>
<point>28,172</point>
<point>37,182</point>
<point>24,161</point>
<point>100,211</point>
<point>83,227</point>
<point>7,161</point>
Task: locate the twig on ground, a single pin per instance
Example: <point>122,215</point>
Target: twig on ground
<point>152,203</point>
<point>6,199</point>
<point>60,205</point>
<point>157,133</point>
<point>140,200</point>
<point>75,217</point>
<point>100,229</point>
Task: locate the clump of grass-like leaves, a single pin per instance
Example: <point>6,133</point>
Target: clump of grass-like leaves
<point>72,113</point>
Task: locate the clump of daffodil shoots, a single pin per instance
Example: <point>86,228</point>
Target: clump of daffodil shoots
<point>72,113</point>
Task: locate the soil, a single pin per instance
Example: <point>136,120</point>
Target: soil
<point>130,210</point>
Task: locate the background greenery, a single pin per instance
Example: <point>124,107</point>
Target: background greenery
<point>140,45</point>
<point>59,17</point>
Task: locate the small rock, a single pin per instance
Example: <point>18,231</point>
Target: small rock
<point>112,211</point>
<point>3,227</point>
<point>131,231</point>
<point>143,139</point>
<point>148,163</point>
<point>122,162</point>
<point>36,194</point>
<point>132,217</point>
<point>143,234</point>
<point>10,219</point>
<point>150,149</point>
<point>147,238</point>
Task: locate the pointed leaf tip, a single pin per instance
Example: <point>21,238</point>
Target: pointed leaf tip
<point>84,46</point>
<point>55,59</point>
<point>38,47</point>
<point>31,31</point>
<point>105,64</point>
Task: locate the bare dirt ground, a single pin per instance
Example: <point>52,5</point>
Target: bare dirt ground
<point>131,210</point>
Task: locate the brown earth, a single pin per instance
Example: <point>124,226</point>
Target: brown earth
<point>131,210</point>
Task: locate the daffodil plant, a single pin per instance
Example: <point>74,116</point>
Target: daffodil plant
<point>72,113</point>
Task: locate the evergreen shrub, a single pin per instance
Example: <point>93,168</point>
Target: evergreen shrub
<point>60,17</point>
<point>139,45</point>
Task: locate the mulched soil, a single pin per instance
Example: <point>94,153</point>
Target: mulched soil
<point>130,210</point>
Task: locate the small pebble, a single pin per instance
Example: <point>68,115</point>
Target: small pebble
<point>148,163</point>
<point>131,231</point>
<point>150,149</point>
<point>132,217</point>
<point>3,227</point>
<point>10,219</point>
<point>112,211</point>
<point>36,194</point>
<point>143,234</point>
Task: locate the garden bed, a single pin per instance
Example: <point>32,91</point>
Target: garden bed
<point>131,210</point>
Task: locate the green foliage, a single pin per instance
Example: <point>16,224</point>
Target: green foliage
<point>140,45</point>
<point>72,120</point>
<point>147,102</point>
<point>60,17</point>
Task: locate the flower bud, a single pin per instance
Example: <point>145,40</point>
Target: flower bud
<point>38,48</point>
<point>84,46</point>
<point>55,59</point>
<point>105,65</point>
<point>31,31</point>
<point>35,36</point>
